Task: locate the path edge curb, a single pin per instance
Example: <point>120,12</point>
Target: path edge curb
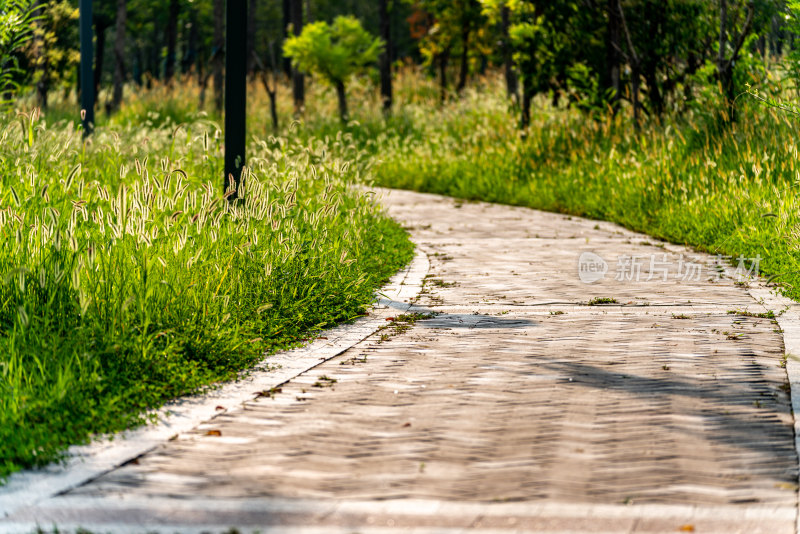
<point>787,315</point>
<point>88,462</point>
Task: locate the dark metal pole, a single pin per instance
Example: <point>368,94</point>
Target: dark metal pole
<point>235,90</point>
<point>87,72</point>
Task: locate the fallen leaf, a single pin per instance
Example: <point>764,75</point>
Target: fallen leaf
<point>220,408</point>
<point>407,424</point>
<point>213,433</point>
<point>686,528</point>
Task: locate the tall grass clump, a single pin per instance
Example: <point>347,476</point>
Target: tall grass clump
<point>127,277</point>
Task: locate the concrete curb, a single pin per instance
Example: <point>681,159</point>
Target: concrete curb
<point>87,462</point>
<point>787,313</point>
<point>121,515</point>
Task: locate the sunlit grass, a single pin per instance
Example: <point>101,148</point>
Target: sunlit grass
<point>127,278</point>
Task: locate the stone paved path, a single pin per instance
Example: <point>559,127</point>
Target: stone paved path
<point>507,404</point>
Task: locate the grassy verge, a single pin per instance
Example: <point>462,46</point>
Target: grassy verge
<point>127,279</point>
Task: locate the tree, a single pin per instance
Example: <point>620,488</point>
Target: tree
<point>298,83</point>
<point>172,40</point>
<point>16,17</point>
<point>508,60</point>
<point>725,60</point>
<point>469,15</point>
<point>611,74</point>
<point>385,59</point>
<point>119,53</point>
<point>335,52</point>
<point>446,28</point>
<point>102,18</point>
<point>217,55</point>
<point>251,34</point>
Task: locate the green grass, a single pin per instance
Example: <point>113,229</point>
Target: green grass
<point>126,279</point>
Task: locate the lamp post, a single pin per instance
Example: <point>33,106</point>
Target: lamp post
<point>235,92</point>
<point>86,70</point>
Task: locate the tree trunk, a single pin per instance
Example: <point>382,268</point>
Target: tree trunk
<point>653,90</point>
<point>444,57</point>
<point>138,65</point>
<point>40,53</point>
<point>172,40</point>
<point>342,96</point>
<point>219,43</point>
<point>385,59</point>
<point>287,19</point>
<point>100,51</point>
<point>119,53</point>
<point>527,99</point>
<point>251,34</point>
<point>635,85</point>
<point>464,68</point>
<point>508,60</point>
<point>154,58</point>
<point>191,52</point>
<point>273,110</point>
<point>612,84</point>
<point>298,80</point>
<point>728,91</point>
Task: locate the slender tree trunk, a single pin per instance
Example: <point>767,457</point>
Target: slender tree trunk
<point>341,95</point>
<point>191,52</point>
<point>40,53</point>
<point>636,68</point>
<point>444,57</point>
<point>653,90</point>
<point>635,88</point>
<point>273,110</point>
<point>527,100</point>
<point>251,34</point>
<point>219,43</point>
<point>119,53</point>
<point>172,40</point>
<point>723,65</point>
<point>138,67</point>
<point>612,55</point>
<point>508,61</point>
<point>298,80</point>
<point>287,20</point>
<point>464,68</point>
<point>271,90</point>
<point>154,58</point>
<point>385,59</point>
<point>100,52</point>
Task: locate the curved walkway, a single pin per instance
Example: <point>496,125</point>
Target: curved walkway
<point>555,375</point>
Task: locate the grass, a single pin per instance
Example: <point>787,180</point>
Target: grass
<point>599,301</point>
<point>127,278</point>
